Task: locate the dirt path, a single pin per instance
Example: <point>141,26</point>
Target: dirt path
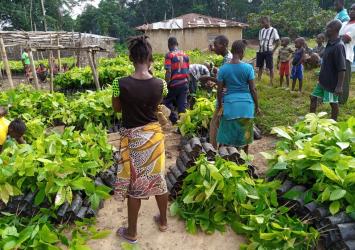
<point>114,215</point>
<point>267,143</point>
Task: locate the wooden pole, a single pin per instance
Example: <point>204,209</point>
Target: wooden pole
<point>33,69</point>
<point>58,55</point>
<point>50,64</point>
<point>93,69</point>
<point>78,52</point>
<point>1,77</point>
<point>6,63</point>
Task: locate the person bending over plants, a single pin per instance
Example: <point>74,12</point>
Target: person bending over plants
<point>240,102</point>
<point>142,163</point>
<point>14,129</point>
<point>332,73</point>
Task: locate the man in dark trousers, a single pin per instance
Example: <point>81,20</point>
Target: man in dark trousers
<point>177,77</point>
<point>332,73</point>
<point>269,41</point>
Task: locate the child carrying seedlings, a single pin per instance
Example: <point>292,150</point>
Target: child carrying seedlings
<point>297,63</point>
<point>332,73</point>
<point>283,61</point>
<point>15,129</point>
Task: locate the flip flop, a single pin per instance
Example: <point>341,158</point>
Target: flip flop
<point>121,232</point>
<point>161,227</point>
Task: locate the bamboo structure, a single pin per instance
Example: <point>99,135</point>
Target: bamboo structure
<point>6,63</point>
<point>93,69</point>
<point>33,69</point>
<point>41,41</point>
<point>58,56</point>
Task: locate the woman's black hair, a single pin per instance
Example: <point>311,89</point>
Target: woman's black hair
<point>18,126</point>
<point>238,47</point>
<point>140,50</point>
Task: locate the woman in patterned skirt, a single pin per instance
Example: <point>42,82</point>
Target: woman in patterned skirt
<point>142,163</point>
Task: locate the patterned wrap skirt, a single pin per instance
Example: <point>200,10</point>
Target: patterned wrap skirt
<point>142,164</point>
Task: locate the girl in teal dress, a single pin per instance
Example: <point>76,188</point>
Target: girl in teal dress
<point>239,103</point>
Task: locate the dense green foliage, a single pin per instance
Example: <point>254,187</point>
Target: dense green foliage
<point>220,193</point>
<point>27,14</point>
<point>118,18</point>
<point>56,109</point>
<point>321,153</point>
<point>39,233</point>
<point>293,17</point>
<point>198,119</point>
<point>109,69</point>
<point>55,164</point>
<point>17,67</point>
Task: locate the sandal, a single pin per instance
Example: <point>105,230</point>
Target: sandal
<point>162,228</point>
<point>121,232</point>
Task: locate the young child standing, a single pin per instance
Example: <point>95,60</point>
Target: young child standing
<point>332,73</point>
<point>320,45</point>
<point>297,63</point>
<point>283,61</point>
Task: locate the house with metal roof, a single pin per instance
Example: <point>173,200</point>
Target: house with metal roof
<point>193,31</point>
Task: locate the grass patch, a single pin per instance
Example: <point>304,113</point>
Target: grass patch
<point>281,108</point>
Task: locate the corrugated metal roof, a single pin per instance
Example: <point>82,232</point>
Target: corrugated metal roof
<point>190,21</point>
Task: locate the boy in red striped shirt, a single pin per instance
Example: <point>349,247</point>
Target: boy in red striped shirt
<point>177,65</point>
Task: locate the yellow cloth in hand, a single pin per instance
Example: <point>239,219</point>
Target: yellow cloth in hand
<point>4,127</point>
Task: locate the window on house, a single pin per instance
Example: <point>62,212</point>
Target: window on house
<point>211,37</point>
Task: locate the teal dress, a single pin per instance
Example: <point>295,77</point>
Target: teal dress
<point>236,126</point>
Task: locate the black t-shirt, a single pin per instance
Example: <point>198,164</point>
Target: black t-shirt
<point>334,61</point>
<point>139,100</point>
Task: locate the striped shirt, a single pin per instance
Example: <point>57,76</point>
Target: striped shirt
<point>179,63</point>
<point>267,37</point>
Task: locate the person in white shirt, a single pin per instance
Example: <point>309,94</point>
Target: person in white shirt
<point>347,33</point>
<point>198,72</point>
<point>269,41</point>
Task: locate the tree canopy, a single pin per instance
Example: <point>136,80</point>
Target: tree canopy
<point>118,18</point>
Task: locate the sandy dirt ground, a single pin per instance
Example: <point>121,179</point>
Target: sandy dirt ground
<point>114,215</point>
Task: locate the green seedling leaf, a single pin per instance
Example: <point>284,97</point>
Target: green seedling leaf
<point>101,234</point>
<point>292,194</point>
<point>281,132</point>
<point>334,207</point>
<point>40,197</point>
<point>47,235</point>
<point>174,209</point>
<point>343,145</point>
<point>350,179</point>
<point>280,166</point>
<point>350,209</point>
<point>60,197</point>
<point>326,194</point>
<point>337,194</point>
<point>268,236</point>
<point>127,246</point>
<point>330,174</point>
<point>191,226</point>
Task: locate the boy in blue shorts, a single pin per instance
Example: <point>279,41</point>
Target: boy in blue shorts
<point>297,63</point>
<point>332,73</point>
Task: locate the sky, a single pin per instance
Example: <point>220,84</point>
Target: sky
<point>79,9</point>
